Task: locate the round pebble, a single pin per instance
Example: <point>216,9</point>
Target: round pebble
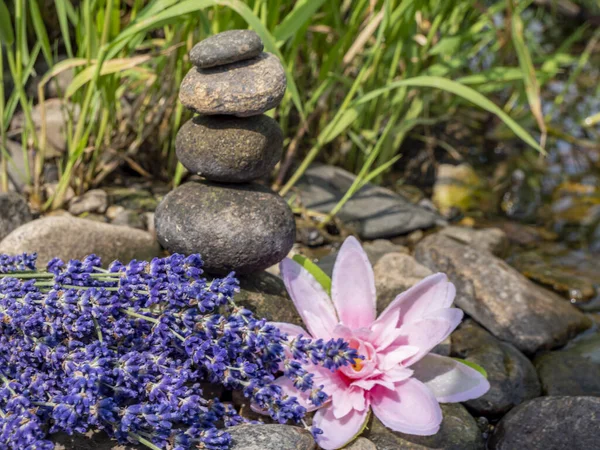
<point>226,48</point>
<point>240,227</point>
<point>230,149</point>
<point>244,88</point>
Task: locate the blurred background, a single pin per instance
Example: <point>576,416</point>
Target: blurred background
<point>484,111</point>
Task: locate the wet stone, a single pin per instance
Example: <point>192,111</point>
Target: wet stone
<point>14,212</point>
<point>574,370</point>
<point>361,444</point>
<point>225,48</point>
<point>270,437</point>
<point>245,88</point>
<point>512,377</point>
<point>230,149</point>
<point>458,431</point>
<point>241,227</point>
<point>557,423</point>
<point>495,295</point>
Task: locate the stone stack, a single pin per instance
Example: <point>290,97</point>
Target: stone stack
<point>232,221</point>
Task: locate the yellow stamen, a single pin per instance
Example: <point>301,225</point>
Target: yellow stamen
<point>358,364</point>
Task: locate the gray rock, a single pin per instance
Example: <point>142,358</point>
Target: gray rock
<point>130,218</point>
<point>361,444</point>
<point>574,370</point>
<point>69,237</point>
<point>373,212</point>
<point>459,431</point>
<point>501,299</point>
<point>230,149</point>
<point>225,48</point>
<point>245,88</point>
<point>92,440</point>
<point>94,201</point>
<point>553,423</point>
<point>241,227</point>
<point>265,295</point>
<point>270,437</point>
<point>512,377</point>
<point>14,212</point>
<point>394,274</point>
<point>375,250</point>
<point>493,240</point>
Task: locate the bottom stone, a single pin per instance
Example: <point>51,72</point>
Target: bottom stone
<point>244,227</point>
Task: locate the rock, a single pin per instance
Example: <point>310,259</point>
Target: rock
<point>243,227</point>
<point>573,273</point>
<point>375,250</point>
<point>373,212</point>
<point>556,423</point>
<point>73,238</point>
<point>225,48</point>
<point>51,188</point>
<point>270,437</point>
<point>230,149</point>
<point>113,211</point>
<point>94,201</point>
<point>574,370</point>
<point>512,377</point>
<point>361,444</point>
<point>245,88</point>
<point>492,240</point>
<point>132,198</point>
<point>501,299</point>
<point>459,431</point>
<point>130,218</point>
<point>394,274</point>
<point>459,187</point>
<point>14,212</point>
<point>17,168</point>
<point>92,440</point>
<point>266,296</point>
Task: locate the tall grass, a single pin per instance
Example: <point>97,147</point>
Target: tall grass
<point>361,75</point>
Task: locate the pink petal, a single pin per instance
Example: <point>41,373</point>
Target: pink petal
<point>432,293</point>
<point>427,333</point>
<point>338,432</point>
<point>344,401</point>
<point>395,357</point>
<point>291,330</point>
<point>411,408</point>
<point>310,299</point>
<point>384,330</point>
<point>449,380</point>
<point>369,384</point>
<point>353,286</point>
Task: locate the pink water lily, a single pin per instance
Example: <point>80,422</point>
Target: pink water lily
<point>399,379</point>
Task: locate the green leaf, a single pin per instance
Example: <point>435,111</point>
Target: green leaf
<point>302,12</point>
<point>40,31</point>
<point>7,35</point>
<point>337,127</point>
<point>461,90</point>
<point>315,271</point>
<point>472,365</point>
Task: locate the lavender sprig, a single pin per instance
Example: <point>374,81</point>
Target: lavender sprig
<point>125,349</point>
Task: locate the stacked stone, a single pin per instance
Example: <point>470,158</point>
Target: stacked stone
<point>234,222</point>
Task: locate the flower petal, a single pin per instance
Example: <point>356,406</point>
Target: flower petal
<point>394,358</point>
<point>449,380</point>
<point>353,286</point>
<point>344,401</point>
<point>291,330</point>
<point>338,432</point>
<point>427,333</point>
<point>410,408</point>
<point>309,297</point>
<point>430,294</point>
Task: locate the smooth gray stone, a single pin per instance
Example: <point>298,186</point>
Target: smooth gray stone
<point>241,227</point>
<point>225,48</point>
<point>270,437</point>
<point>230,149</point>
<point>14,212</point>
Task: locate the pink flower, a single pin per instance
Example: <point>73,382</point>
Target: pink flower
<point>399,379</point>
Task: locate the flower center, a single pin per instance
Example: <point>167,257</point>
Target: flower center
<point>358,364</point>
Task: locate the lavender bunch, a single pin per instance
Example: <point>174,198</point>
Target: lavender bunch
<point>125,349</point>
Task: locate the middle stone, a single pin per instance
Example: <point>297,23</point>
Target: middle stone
<point>230,149</point>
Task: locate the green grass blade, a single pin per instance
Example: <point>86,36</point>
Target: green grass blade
<point>462,91</point>
<point>296,19</point>
<point>40,31</point>
<point>7,34</point>
<point>63,20</point>
<point>315,271</point>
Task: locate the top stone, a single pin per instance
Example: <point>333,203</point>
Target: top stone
<point>226,48</point>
